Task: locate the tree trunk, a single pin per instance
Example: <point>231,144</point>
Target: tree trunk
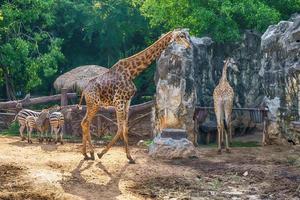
<point>10,93</point>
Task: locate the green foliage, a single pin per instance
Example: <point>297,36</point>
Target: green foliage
<point>13,130</point>
<point>222,20</point>
<point>41,39</point>
<point>28,51</point>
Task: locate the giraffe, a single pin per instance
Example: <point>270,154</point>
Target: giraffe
<point>223,102</point>
<point>116,88</point>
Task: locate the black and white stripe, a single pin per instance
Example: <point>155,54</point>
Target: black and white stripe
<point>57,121</point>
<point>21,118</point>
<point>31,123</point>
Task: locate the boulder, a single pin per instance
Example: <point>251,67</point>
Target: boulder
<point>175,90</point>
<point>280,67</point>
<point>168,148</point>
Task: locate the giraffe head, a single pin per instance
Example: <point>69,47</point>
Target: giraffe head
<point>180,37</point>
<point>231,64</point>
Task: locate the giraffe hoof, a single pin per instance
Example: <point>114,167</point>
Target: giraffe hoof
<point>86,157</point>
<point>23,139</point>
<point>228,151</point>
<point>100,155</point>
<point>61,142</point>
<point>92,156</point>
<point>219,151</point>
<point>131,162</point>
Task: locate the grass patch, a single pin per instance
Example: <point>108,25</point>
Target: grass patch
<point>234,144</point>
<point>72,138</point>
<point>148,142</point>
<point>215,184</point>
<point>13,130</point>
<point>293,160</point>
<point>245,144</point>
<point>107,137</point>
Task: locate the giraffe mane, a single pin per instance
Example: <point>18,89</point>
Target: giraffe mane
<point>139,53</point>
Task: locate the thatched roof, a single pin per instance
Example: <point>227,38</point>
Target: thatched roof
<point>78,78</point>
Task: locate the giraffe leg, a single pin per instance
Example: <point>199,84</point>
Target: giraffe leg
<point>121,110</point>
<point>228,133</point>
<point>120,119</point>
<point>125,133</point>
<point>219,116</point>
<point>85,124</point>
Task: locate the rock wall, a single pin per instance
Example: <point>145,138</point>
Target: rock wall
<point>208,63</point>
<point>280,48</point>
<point>185,78</point>
<point>175,90</point>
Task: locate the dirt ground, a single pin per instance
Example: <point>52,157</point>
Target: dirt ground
<point>47,171</point>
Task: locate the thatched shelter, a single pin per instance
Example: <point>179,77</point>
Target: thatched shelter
<point>78,78</point>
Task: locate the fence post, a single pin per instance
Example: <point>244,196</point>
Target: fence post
<point>64,102</point>
<point>64,97</point>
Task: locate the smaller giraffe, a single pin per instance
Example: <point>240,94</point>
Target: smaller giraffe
<point>223,102</point>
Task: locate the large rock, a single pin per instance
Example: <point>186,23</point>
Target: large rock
<point>169,148</point>
<point>280,47</point>
<point>175,90</point>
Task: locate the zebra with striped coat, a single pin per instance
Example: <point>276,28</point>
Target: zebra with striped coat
<point>40,123</point>
<point>21,118</point>
<point>56,123</point>
<point>30,122</point>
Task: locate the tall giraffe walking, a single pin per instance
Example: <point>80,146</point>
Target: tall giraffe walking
<point>116,88</point>
<point>223,102</point>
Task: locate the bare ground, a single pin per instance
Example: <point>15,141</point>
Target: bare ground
<point>41,171</point>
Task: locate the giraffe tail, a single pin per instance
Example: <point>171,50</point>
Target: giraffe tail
<point>79,106</point>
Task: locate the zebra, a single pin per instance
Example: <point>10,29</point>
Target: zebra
<point>30,122</point>
<point>24,113</point>
<point>56,123</point>
<point>21,117</point>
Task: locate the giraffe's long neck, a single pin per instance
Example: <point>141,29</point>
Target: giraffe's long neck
<point>224,73</point>
<point>134,65</point>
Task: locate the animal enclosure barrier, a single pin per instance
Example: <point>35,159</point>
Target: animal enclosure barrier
<point>9,109</point>
<point>104,122</point>
<point>243,119</point>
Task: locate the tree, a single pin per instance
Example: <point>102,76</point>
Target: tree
<point>222,20</point>
<point>29,52</point>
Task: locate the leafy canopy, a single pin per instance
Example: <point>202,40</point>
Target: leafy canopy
<point>220,19</point>
<point>41,39</point>
<point>28,50</point>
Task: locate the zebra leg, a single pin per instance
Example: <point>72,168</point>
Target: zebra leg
<point>29,136</point>
<point>21,130</point>
<point>51,133</point>
<point>61,136</point>
<point>56,132</point>
<point>41,139</point>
